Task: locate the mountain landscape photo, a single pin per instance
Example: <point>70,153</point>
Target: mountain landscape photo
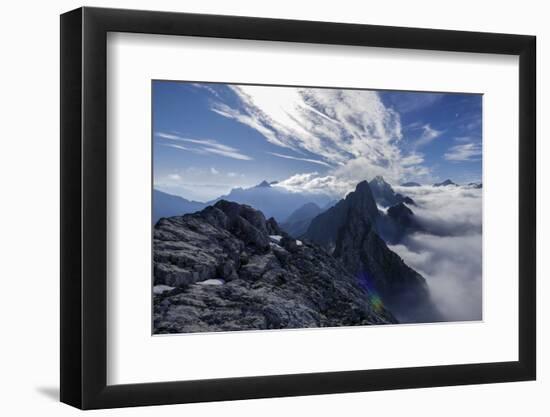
<point>292,208</point>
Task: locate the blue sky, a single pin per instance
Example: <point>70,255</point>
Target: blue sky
<point>209,138</point>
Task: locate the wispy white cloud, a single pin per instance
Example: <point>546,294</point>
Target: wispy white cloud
<point>407,101</point>
<point>313,161</point>
<point>314,183</point>
<point>428,135</point>
<point>351,130</point>
<point>463,139</point>
<point>200,183</point>
<point>203,146</point>
<point>467,152</point>
<point>207,87</point>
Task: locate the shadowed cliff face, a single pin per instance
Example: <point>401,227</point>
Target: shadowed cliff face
<point>349,230</point>
<point>228,268</point>
<point>324,228</point>
<point>397,223</point>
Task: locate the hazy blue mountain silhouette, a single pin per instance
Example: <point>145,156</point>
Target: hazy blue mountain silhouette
<point>273,201</point>
<point>444,183</point>
<point>297,223</point>
<point>168,205</point>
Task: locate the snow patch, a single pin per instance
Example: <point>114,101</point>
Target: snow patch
<point>214,281</point>
<point>159,289</point>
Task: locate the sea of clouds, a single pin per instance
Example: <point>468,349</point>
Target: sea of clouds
<point>448,253</point>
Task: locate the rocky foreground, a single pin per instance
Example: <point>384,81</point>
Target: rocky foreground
<point>228,268</point>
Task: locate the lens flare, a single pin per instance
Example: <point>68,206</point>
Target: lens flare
<point>366,284</point>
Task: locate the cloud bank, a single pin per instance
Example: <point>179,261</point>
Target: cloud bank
<point>449,253</point>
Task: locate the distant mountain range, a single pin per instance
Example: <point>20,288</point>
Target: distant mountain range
<point>297,223</point>
<point>445,183</point>
<point>168,205</point>
<point>274,201</point>
<point>293,210</point>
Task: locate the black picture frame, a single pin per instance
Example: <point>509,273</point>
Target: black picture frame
<point>84,207</point>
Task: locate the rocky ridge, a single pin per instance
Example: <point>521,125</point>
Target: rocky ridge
<point>228,268</point>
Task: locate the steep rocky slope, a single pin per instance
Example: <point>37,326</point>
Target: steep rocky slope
<point>324,228</point>
<point>349,231</point>
<point>398,222</point>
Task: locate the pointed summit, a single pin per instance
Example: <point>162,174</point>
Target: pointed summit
<point>263,184</point>
<point>362,200</point>
<point>358,204</point>
<point>444,183</point>
<point>363,185</point>
<point>385,195</point>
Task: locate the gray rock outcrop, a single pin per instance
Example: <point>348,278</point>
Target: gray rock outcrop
<point>264,278</point>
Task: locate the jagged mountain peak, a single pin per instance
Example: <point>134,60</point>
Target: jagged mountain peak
<point>349,231</point>
<point>363,185</point>
<point>263,184</point>
<point>379,183</point>
<point>362,199</point>
<point>358,204</point>
<point>444,183</point>
<point>475,185</point>
<point>385,195</point>
<point>379,179</point>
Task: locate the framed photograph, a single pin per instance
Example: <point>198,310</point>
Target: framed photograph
<point>257,208</point>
